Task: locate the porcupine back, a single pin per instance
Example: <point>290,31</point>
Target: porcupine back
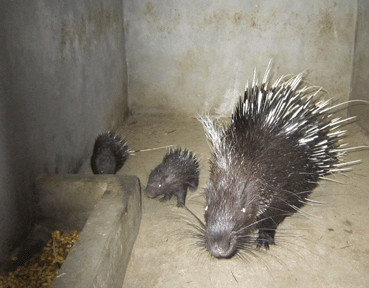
<point>280,141</point>
<point>109,154</point>
<point>185,165</point>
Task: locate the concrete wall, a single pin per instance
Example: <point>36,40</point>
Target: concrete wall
<point>360,74</point>
<point>63,80</point>
<point>190,56</point>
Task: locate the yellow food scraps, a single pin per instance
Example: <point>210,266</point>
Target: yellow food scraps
<point>42,268</point>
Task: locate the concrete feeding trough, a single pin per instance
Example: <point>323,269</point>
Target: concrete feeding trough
<point>106,210</point>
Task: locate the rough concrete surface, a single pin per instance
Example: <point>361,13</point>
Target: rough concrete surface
<point>324,246</point>
<point>65,201</point>
<point>109,207</point>
<point>205,50</point>
<point>360,71</point>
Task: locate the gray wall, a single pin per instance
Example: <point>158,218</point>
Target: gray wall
<point>190,56</point>
<point>360,74</point>
<point>63,80</point>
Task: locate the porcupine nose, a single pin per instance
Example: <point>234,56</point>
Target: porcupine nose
<point>220,245</point>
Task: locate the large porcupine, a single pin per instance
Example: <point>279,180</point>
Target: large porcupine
<point>178,172</point>
<point>109,154</point>
<point>280,142</point>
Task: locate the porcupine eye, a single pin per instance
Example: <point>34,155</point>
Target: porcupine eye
<point>206,213</point>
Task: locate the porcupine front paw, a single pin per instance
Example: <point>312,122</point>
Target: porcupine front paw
<point>181,198</point>
<point>180,202</point>
<point>266,238</point>
<point>166,197</point>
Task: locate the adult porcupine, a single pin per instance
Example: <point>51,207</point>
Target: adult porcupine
<point>178,171</point>
<point>280,142</point>
<point>109,153</point>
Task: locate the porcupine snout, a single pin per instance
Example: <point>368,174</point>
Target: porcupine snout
<point>220,244</point>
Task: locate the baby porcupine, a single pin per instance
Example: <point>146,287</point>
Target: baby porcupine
<point>178,172</point>
<point>109,154</point>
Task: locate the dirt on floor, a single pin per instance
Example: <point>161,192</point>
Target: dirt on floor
<point>324,246</point>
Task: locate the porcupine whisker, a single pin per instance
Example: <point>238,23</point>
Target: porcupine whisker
<point>193,199</point>
<point>270,255</point>
<point>249,252</point>
<point>297,195</point>
<point>197,218</point>
<point>315,201</point>
<point>304,213</point>
<point>284,212</point>
<point>194,235</point>
<point>200,243</point>
<point>287,245</point>
<point>311,204</point>
<point>246,256</point>
<point>293,207</point>
<point>307,201</point>
<point>194,225</point>
<point>256,257</point>
<point>344,175</point>
<point>332,180</point>
<point>303,192</point>
<point>198,232</point>
<point>195,231</point>
<point>287,234</point>
<point>245,242</point>
<point>246,238</point>
<point>250,225</point>
<point>243,256</point>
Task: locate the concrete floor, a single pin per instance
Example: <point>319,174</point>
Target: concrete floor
<point>324,248</point>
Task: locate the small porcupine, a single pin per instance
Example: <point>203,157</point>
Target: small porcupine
<point>109,153</point>
<point>280,142</point>
<point>178,172</point>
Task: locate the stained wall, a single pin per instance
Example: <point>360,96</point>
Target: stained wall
<point>63,80</point>
<point>189,57</point>
<point>360,73</point>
